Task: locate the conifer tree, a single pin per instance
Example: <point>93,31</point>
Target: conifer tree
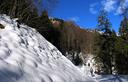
<point>104,43</point>
<point>123,30</point>
<point>122,48</point>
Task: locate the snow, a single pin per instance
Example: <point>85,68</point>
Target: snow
<point>100,78</point>
<point>25,56</point>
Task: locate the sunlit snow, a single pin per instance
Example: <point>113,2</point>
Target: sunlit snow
<point>25,56</point>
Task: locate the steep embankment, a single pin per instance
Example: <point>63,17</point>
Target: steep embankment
<point>25,56</point>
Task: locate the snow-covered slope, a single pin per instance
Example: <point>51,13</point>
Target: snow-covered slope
<point>25,56</point>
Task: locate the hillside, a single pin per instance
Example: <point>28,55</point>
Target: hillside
<point>25,56</point>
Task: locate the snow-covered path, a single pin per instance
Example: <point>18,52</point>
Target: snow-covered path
<point>101,78</point>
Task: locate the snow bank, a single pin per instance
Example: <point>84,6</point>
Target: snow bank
<point>25,56</point>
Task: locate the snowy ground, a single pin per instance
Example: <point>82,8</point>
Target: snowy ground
<point>112,78</point>
<point>25,56</point>
<point>101,78</point>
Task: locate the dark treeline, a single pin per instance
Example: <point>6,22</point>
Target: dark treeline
<point>22,9</point>
<point>110,50</point>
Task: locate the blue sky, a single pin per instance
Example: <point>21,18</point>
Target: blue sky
<point>85,12</point>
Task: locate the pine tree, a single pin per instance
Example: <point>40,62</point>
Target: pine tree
<point>122,48</point>
<point>104,43</point>
<point>45,26</point>
<point>123,30</point>
<point>104,24</point>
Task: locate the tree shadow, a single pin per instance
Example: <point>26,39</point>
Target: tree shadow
<point>9,76</point>
<point>115,78</point>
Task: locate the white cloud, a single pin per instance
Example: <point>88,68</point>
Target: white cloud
<point>92,8</point>
<point>119,10</point>
<point>117,7</point>
<point>109,5</point>
<point>122,7</point>
<point>75,19</point>
<point>94,4</point>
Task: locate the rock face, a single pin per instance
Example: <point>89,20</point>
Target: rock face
<point>25,56</point>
